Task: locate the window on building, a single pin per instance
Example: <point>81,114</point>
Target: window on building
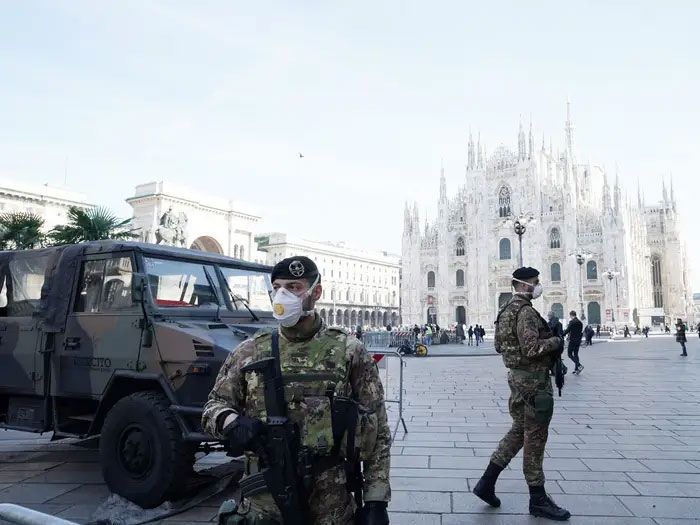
<point>504,249</point>
<point>431,279</point>
<point>657,289</point>
<point>555,238</point>
<point>460,277</point>
<point>558,310</point>
<point>459,246</point>
<point>504,201</point>
<point>591,270</point>
<point>555,272</point>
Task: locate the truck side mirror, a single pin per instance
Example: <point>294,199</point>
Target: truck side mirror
<point>138,287</point>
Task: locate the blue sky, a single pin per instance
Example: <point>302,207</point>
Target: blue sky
<point>375,94</point>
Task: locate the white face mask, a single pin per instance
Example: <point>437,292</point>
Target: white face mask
<point>536,291</point>
<point>288,308</point>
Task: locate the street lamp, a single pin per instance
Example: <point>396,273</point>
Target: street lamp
<point>519,227</point>
<point>520,231</point>
<point>610,274</point>
<point>580,259</point>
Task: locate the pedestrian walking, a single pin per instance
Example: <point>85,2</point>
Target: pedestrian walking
<point>459,331</point>
<point>470,333</point>
<point>477,334</point>
<point>626,332</point>
<point>680,336</point>
<point>597,331</point>
<point>483,333</point>
<point>528,349</point>
<point>428,335</point>
<point>555,325</point>
<point>588,331</point>
<point>358,332</point>
<point>575,332</point>
<point>310,357</point>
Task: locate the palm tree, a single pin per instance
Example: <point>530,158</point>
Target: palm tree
<point>94,224</point>
<point>21,231</point>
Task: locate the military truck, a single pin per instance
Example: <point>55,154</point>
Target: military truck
<point>123,340</point>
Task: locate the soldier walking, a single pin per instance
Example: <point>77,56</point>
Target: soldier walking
<point>528,349</point>
<point>319,366</point>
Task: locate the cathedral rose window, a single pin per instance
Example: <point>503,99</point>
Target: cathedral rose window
<point>459,246</point>
<point>504,202</point>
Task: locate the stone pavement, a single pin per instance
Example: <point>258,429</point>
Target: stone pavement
<point>623,444</point>
<point>623,447</point>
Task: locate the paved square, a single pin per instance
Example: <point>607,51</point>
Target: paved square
<point>623,445</point>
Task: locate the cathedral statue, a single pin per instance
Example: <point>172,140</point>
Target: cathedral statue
<point>172,229</point>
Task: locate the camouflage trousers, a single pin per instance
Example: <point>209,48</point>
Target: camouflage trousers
<point>330,503</point>
<point>531,406</point>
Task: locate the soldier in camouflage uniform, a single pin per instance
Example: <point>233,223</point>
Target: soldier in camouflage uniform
<point>311,356</point>
<point>528,348</point>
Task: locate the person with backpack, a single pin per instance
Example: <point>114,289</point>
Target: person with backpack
<point>470,333</point>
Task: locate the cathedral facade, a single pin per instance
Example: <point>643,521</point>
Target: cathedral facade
<point>600,251</point>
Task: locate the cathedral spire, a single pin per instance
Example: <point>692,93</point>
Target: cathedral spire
<point>664,194</point>
<point>480,153</point>
<point>673,198</point>
<point>471,157</point>
<point>640,200</point>
<point>531,144</point>
<point>443,184</point>
<point>569,129</point>
<point>607,204</point>
<point>543,150</point>
<point>617,192</point>
<point>521,142</point>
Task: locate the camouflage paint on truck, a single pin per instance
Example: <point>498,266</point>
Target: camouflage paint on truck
<point>131,326</point>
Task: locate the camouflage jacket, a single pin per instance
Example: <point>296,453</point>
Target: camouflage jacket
<point>523,337</point>
<point>309,361</point>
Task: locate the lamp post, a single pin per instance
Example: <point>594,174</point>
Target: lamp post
<point>611,274</point>
<point>580,259</point>
<point>520,231</point>
<point>519,226</point>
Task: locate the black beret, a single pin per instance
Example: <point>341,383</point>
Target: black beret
<point>295,268</point>
<point>525,273</point>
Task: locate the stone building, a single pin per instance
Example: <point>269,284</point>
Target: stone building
<point>359,287</point>
<point>49,202</point>
<point>600,252</point>
<point>166,213</point>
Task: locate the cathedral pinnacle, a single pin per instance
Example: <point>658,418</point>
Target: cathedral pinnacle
<point>531,144</point>
<point>521,142</point>
<point>480,152</point>
<point>569,130</point>
<point>443,185</point>
<point>471,156</point>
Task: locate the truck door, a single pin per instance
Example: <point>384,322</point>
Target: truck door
<point>103,329</point>
<point>20,294</point>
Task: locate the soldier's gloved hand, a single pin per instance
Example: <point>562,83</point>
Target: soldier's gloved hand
<point>242,433</point>
<point>374,513</point>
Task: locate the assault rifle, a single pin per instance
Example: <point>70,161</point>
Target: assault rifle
<point>559,368</point>
<point>287,470</point>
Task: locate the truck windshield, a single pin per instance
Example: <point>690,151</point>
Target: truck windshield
<point>250,287</point>
<point>181,284</point>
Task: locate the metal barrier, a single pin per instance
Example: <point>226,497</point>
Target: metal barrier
<point>396,339</point>
<point>399,401</point>
<point>24,516</point>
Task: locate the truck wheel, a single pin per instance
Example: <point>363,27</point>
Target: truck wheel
<point>142,453</point>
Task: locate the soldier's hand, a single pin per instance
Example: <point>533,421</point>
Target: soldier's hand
<point>374,513</point>
<point>242,433</point>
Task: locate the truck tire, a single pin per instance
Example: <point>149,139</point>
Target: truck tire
<point>142,453</point>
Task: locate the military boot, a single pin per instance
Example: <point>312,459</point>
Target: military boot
<point>543,506</point>
<point>485,489</point>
